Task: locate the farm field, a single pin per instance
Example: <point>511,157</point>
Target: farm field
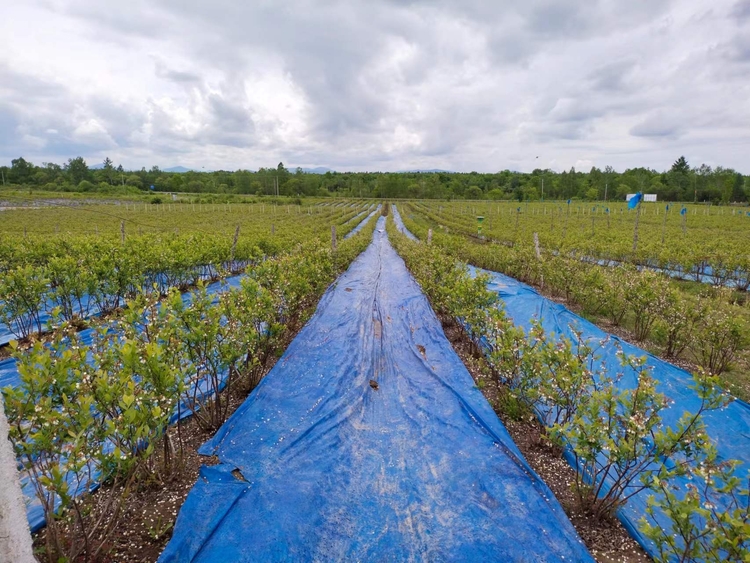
<point>608,405</point>
<point>375,281</point>
<point>670,307</point>
<point>686,240</point>
<point>214,293</point>
<point>103,255</point>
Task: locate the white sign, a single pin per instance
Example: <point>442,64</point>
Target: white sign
<point>646,197</point>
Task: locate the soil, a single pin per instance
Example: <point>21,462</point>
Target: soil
<point>607,540</point>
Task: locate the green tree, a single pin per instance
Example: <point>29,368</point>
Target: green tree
<point>134,180</point>
<point>77,170</point>
<point>109,170</point>
<point>738,188</point>
<point>680,166</point>
<point>20,171</point>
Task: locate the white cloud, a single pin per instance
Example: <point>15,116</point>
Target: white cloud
<point>377,85</point>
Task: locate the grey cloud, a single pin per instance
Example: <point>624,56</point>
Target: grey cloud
<point>180,77</point>
<point>741,10</point>
<point>43,111</point>
<point>738,48</point>
<point>8,126</point>
<point>458,80</point>
<point>613,77</point>
<point>141,20</point>
<point>658,125</point>
<point>554,19</point>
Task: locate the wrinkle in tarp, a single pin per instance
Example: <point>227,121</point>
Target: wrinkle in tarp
<point>368,441</point>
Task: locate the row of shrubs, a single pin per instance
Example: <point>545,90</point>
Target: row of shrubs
<point>615,437</point>
<point>83,275</point>
<point>100,404</point>
<point>710,328</point>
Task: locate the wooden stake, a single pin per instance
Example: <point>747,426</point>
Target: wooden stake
<point>234,242</point>
<point>122,231</point>
<point>635,230</point>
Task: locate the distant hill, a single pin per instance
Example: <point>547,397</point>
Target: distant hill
<point>177,169</point>
<point>316,170</point>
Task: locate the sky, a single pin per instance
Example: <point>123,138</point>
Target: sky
<point>377,84</point>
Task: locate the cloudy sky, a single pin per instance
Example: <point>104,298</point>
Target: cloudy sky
<point>377,85</point>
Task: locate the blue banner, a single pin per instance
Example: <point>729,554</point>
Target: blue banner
<point>635,200</point>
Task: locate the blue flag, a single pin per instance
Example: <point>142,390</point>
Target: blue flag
<point>607,210</point>
<point>635,200</point>
<point>569,202</point>
<point>683,211</point>
<point>667,207</point>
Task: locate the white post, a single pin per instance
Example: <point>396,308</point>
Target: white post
<point>15,538</point>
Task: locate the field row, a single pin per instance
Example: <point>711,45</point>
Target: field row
<point>661,450</point>
<point>73,276</point>
<point>704,242</point>
<point>709,328</point>
<point>93,405</point>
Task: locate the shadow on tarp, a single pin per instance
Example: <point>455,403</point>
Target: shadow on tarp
<point>368,441</point>
<point>729,427</point>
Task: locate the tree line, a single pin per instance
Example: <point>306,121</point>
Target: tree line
<point>680,183</point>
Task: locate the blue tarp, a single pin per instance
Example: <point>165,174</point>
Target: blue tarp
<point>400,224</point>
<point>318,465</point>
<point>362,224</point>
<point>728,427</point>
